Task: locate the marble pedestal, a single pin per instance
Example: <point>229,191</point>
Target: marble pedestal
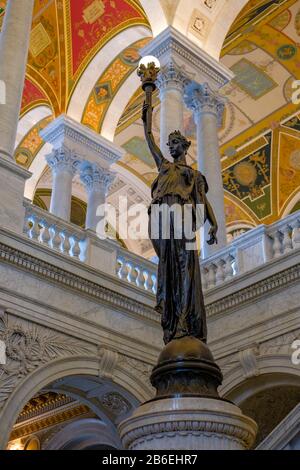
<point>187,413</point>
<point>189,423</point>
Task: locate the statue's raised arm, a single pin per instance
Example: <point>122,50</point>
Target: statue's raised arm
<point>148,76</point>
<point>153,147</point>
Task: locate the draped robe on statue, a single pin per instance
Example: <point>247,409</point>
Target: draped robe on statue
<point>179,293</point>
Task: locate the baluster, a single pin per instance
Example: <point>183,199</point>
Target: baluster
<point>75,248</point>
<point>65,245</point>
<point>123,273</point>
<point>296,235</point>
<point>211,276</point>
<point>55,237</point>
<point>203,277</point>
<point>149,281</point>
<point>119,268</point>
<point>34,231</point>
<point>220,274</point>
<point>277,244</point>
<point>134,274</point>
<point>45,236</point>
<point>140,280</point>
<point>228,270</point>
<point>287,240</point>
<point>27,225</point>
<point>154,280</point>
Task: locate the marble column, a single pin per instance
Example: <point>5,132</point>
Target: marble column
<point>63,163</point>
<point>208,108</point>
<point>96,181</point>
<point>14,41</point>
<point>171,82</point>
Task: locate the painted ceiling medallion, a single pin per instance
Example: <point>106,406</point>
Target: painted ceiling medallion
<point>245,173</point>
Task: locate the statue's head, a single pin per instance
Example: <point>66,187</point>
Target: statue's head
<point>178,144</point>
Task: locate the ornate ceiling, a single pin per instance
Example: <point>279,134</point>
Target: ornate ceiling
<point>260,133</point>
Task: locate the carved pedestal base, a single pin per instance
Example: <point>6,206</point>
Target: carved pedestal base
<point>188,424</point>
<point>187,413</point>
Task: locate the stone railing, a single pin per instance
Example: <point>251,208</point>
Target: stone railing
<point>251,250</point>
<point>53,232</point>
<point>246,252</point>
<point>106,255</point>
<point>136,270</point>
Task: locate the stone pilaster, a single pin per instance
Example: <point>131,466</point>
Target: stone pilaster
<point>208,109</point>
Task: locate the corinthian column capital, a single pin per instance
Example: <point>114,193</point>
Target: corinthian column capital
<point>201,99</point>
<point>95,178</point>
<point>172,76</point>
<point>63,160</point>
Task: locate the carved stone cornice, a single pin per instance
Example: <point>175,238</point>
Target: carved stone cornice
<point>255,291</point>
<point>49,421</point>
<point>172,44</point>
<point>75,135</point>
<point>71,281</point>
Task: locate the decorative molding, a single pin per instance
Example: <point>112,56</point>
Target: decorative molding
<point>172,76</point>
<point>138,368</point>
<point>201,99</point>
<point>95,178</point>
<point>255,291</point>
<point>188,428</point>
<point>49,421</point>
<point>171,43</point>
<point>65,129</point>
<point>107,363</point>
<point>120,301</point>
<point>63,159</point>
<point>115,403</point>
<point>280,345</point>
<point>50,406</point>
<point>29,346</point>
<point>77,283</point>
<point>248,361</point>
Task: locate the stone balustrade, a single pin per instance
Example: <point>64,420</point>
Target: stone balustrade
<point>251,250</point>
<point>245,253</point>
<point>137,270</point>
<point>53,232</point>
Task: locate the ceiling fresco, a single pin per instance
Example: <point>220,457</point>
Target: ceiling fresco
<point>109,83</point>
<point>65,37</point>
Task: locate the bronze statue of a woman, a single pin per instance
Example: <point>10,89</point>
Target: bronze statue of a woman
<point>179,292</point>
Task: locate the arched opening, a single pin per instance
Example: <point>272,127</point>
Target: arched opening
<point>267,399</point>
<point>77,412</point>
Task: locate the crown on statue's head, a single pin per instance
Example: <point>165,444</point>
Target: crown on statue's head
<point>182,138</point>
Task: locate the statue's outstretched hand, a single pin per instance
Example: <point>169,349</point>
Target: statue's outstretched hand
<point>213,235</point>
